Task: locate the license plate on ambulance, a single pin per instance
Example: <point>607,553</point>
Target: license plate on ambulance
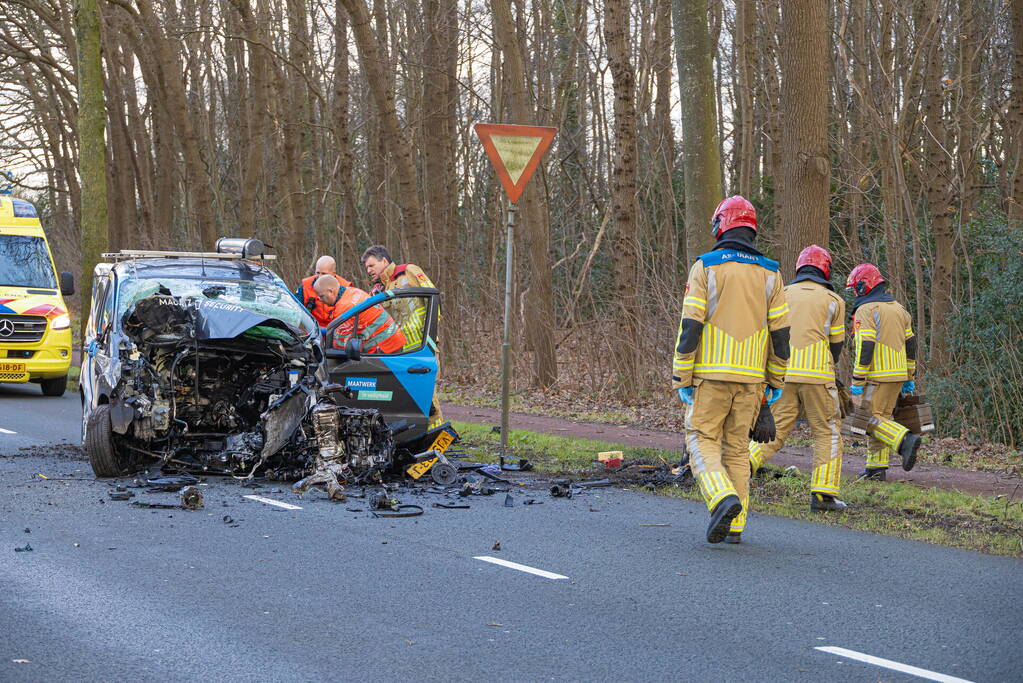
<point>14,368</point>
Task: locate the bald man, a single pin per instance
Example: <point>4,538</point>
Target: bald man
<point>375,327</point>
<point>325,265</point>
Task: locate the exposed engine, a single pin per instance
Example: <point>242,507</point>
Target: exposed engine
<point>200,400</point>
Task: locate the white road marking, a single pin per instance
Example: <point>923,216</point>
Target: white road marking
<point>271,501</point>
<point>520,567</point>
<point>6,431</point>
<point>895,666</point>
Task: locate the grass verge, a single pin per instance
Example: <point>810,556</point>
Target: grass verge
<point>950,518</point>
<point>72,377</point>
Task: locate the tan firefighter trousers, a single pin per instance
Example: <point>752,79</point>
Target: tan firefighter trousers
<point>717,434</point>
<point>819,403</point>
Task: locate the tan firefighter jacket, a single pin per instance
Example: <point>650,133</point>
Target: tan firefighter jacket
<point>735,321</point>
<point>410,313</point>
<point>885,345</point>
<point>818,320</point>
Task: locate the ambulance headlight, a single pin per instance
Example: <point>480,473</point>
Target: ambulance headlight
<point>61,322</point>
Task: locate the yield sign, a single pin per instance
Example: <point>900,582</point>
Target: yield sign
<point>515,152</point>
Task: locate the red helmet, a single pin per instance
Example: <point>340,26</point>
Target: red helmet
<point>815,256</point>
<point>864,278</point>
<point>733,212</point>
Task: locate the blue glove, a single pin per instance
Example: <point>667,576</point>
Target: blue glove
<point>685,394</point>
<point>856,390</point>
<point>908,387</point>
<point>772,395</point>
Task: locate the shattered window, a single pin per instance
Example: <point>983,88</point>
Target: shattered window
<point>25,262</point>
<point>266,299</point>
<point>411,315</point>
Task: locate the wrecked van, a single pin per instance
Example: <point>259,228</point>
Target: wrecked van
<point>205,362</point>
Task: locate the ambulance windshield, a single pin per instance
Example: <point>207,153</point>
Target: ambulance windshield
<point>25,262</point>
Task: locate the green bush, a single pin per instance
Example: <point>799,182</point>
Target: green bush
<point>979,394</point>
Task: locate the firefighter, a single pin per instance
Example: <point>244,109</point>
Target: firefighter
<point>374,326</point>
<point>733,337</point>
<point>817,337</point>
<point>884,366</point>
<point>411,314</point>
<point>325,265</point>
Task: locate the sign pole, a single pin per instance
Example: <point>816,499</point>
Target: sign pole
<point>515,152</point>
<point>506,345</point>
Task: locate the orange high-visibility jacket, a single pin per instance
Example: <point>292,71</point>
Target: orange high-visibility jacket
<point>376,328</point>
<point>319,310</point>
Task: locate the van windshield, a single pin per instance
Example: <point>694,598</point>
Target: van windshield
<point>25,262</point>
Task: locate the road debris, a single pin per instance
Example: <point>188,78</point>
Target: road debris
<point>26,549</point>
<point>509,502</point>
<point>496,546</point>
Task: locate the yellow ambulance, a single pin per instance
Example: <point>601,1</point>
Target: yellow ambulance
<point>35,329</point>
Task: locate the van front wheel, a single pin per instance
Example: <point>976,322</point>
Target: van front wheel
<point>99,445</point>
<point>54,387</point>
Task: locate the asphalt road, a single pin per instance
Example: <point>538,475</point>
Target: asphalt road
<point>112,591</point>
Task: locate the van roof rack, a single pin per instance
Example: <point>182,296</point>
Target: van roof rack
<point>129,254</point>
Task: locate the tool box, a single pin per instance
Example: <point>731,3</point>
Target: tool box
<point>914,413</point>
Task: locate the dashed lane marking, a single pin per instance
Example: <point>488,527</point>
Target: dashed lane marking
<point>894,666</point>
<point>520,567</point>
<point>6,431</point>
<point>271,501</point>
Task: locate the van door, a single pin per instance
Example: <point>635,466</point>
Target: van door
<point>400,385</point>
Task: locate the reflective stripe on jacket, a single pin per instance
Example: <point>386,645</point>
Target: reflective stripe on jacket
<point>738,300</point>
<point>888,325</point>
<point>817,316</point>
<point>376,328</point>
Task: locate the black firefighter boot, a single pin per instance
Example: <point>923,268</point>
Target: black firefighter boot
<point>908,448</point>
<point>721,518</point>
<point>734,537</point>
<point>822,502</point>
<point>873,473</point>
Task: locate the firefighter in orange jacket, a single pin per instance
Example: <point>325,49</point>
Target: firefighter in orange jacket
<point>816,340</point>
<point>374,326</point>
<point>733,337</point>
<point>884,366</point>
<point>325,265</point>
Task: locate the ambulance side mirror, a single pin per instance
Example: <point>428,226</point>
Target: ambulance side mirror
<point>67,284</point>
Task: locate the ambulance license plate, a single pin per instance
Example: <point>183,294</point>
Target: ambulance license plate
<point>443,440</point>
<point>16,368</point>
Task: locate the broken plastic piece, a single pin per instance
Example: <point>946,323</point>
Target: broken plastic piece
<point>26,549</point>
<point>121,495</point>
<point>401,511</point>
<point>452,506</point>
<point>509,502</point>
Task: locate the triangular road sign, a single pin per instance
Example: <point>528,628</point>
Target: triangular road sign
<point>515,152</point>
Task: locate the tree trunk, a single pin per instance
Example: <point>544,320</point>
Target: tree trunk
<point>540,315</point>
<point>701,158</point>
<point>804,103</point>
<point>1014,119</point>
<point>626,263</point>
<point>745,30</point>
<point>937,181</point>
<point>345,237</point>
<point>92,154</point>
<point>382,89</point>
